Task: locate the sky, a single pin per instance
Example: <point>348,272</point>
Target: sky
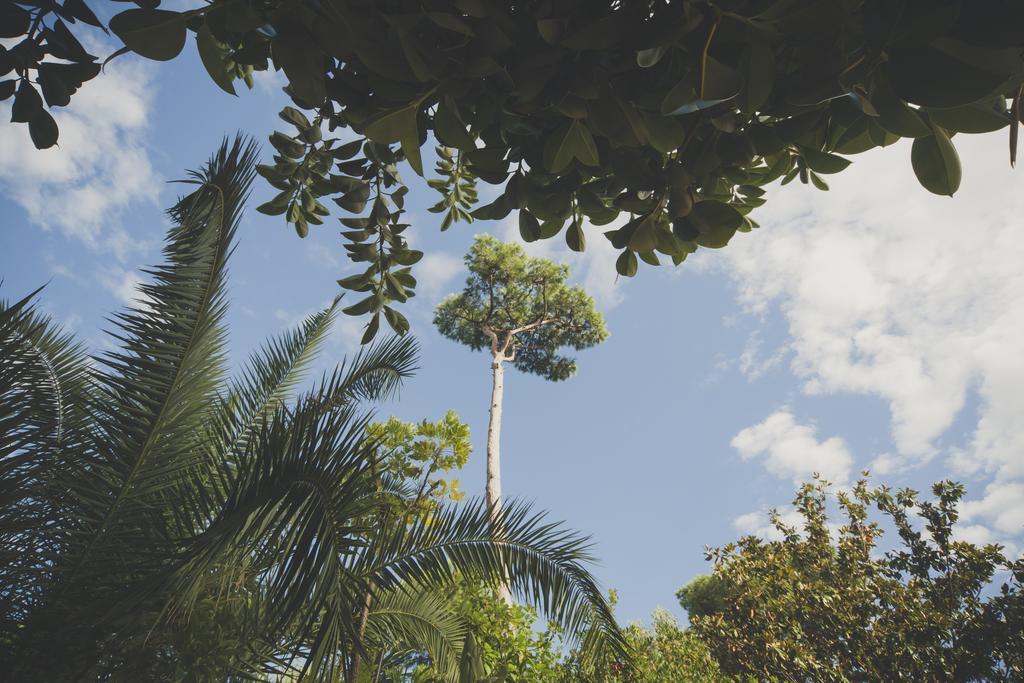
<point>873,327</point>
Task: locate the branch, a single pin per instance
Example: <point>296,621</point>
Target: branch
<point>533,326</point>
<point>486,329</point>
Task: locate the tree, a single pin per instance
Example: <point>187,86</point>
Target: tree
<point>666,652</point>
<point>521,310</point>
<point>827,605</point>
<point>676,114</point>
<point>160,521</point>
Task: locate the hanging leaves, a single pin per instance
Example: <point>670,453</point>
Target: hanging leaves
<point>578,114</point>
<point>153,33</point>
<point>936,162</point>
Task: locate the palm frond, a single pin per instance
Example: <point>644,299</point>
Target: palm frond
<point>266,381</point>
<point>42,377</point>
<point>421,620</point>
<point>375,373</point>
<point>155,393</point>
<point>272,374</point>
<point>542,563</point>
<point>302,487</point>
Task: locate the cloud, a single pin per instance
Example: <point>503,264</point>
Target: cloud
<point>101,165</point>
<point>892,292</point>
<point>124,285</point>
<point>792,450</point>
<point>434,271</point>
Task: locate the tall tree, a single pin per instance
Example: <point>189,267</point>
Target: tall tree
<point>676,113</point>
<point>161,521</point>
<point>827,604</point>
<point>523,312</point>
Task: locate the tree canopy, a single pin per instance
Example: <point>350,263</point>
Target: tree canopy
<point>829,604</point>
<point>521,308</point>
<point>674,113</point>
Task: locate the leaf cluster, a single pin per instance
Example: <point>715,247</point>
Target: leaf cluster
<point>829,605</point>
<point>522,309</point>
<point>676,114</point>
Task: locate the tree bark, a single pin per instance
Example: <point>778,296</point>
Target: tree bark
<point>364,616</point>
<point>493,488</point>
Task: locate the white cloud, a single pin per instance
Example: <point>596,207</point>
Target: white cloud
<point>124,285</point>
<point>893,292</point>
<point>792,450</point>
<point>433,273</point>
<point>753,364</point>
<point>1003,505</point>
<point>100,165</point>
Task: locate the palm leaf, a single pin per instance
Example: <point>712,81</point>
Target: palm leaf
<point>542,563</point>
<point>154,394</point>
<point>417,621</point>
<point>42,377</point>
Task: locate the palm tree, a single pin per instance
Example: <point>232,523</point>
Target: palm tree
<point>161,521</point>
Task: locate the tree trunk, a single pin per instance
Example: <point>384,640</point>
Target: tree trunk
<point>493,453</point>
<point>364,616</point>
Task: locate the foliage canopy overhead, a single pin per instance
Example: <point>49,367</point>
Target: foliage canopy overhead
<point>675,113</point>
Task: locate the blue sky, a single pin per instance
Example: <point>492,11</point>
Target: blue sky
<point>874,326</point>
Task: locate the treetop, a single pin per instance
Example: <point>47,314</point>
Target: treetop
<point>521,308</point>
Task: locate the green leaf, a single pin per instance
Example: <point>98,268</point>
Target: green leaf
<point>360,307</point>
<point>665,133</point>
<point>711,224</point>
<point>936,163</point>
<point>759,76</point>
<point>893,114</point>
<point>823,162</point>
<point>571,141</point>
<point>287,146</point>
<point>296,118</point>
<point>984,116</point>
<point>529,226</point>
<point>645,236</point>
<point>304,64</point>
<point>396,320</point>
<point>43,130</point>
<point>347,150</point>
<point>212,56</point>
<point>930,77</point>
<point>496,210</point>
<point>400,125</point>
<point>449,129</point>
<point>276,206</point>
<point>626,264</point>
<point>575,238</point>
<point>153,33</point>
<point>371,329</point>
<point>817,181</point>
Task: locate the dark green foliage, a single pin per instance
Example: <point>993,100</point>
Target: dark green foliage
<point>160,521</point>
<point>581,110</point>
<point>520,308</point>
<point>829,606</point>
